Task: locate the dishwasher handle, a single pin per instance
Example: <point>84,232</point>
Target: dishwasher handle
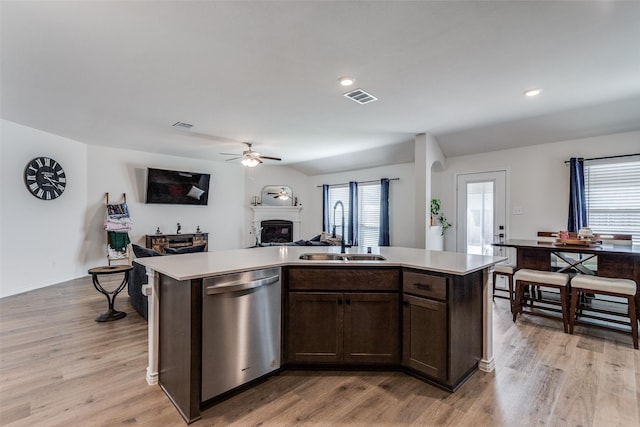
<point>241,286</point>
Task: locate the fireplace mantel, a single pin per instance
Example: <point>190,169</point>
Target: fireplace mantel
<point>277,209</point>
<point>288,213</point>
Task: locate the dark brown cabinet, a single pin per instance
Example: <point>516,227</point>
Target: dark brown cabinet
<point>424,340</point>
<point>371,328</point>
<point>315,327</point>
<point>334,327</point>
<point>442,325</point>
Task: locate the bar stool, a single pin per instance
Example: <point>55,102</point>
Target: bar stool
<point>546,279</point>
<point>505,270</point>
<point>623,288</point>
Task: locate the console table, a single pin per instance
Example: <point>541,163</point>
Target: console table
<point>159,242</point>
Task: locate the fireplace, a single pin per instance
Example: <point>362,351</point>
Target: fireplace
<point>290,214</point>
<point>276,231</point>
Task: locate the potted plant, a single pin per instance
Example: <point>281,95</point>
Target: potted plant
<point>437,217</point>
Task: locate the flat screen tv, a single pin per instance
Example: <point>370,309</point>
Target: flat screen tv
<point>177,187</point>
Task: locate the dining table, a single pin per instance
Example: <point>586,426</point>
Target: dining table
<point>615,261</point>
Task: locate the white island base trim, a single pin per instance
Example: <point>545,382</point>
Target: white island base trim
<point>153,325</point>
<point>487,363</point>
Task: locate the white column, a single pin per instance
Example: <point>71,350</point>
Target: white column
<point>153,324</point>
<point>427,156</point>
<point>422,190</point>
<point>487,363</point>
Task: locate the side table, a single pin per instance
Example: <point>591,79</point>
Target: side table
<point>112,314</point>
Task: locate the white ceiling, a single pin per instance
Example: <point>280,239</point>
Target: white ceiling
<point>121,73</point>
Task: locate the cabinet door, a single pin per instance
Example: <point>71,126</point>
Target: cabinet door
<point>425,336</point>
<point>315,327</point>
<point>371,328</point>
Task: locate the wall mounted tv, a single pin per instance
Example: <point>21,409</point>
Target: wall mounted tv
<point>176,187</point>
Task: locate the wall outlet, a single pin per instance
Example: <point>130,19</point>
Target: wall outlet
<point>517,210</point>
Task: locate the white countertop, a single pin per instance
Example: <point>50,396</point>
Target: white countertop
<point>191,266</point>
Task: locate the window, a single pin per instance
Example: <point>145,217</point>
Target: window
<point>368,211</point>
<point>612,193</point>
<point>369,214</point>
<point>338,193</point>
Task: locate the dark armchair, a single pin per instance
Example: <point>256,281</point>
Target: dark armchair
<point>138,276</point>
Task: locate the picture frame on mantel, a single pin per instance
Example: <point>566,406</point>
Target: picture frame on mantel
<point>277,195</point>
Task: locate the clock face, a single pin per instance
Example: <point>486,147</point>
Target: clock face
<point>45,178</point>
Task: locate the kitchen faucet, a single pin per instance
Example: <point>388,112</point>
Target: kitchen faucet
<point>342,241</point>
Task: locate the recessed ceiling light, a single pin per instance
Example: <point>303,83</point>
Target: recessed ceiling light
<point>532,92</point>
<point>346,81</point>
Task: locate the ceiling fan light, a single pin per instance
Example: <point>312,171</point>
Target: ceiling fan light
<point>283,196</point>
<point>250,162</point>
<point>532,92</point>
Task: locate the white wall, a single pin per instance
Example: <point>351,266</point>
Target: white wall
<point>48,242</point>
<point>401,199</point>
<point>537,180</point>
<point>260,176</point>
<point>119,171</point>
<point>41,240</point>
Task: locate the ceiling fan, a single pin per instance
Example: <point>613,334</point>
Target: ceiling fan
<point>249,157</point>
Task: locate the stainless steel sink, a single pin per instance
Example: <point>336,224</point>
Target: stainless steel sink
<point>323,257</point>
<point>342,257</point>
<point>365,257</point>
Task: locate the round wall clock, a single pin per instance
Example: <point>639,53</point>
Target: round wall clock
<point>45,178</point>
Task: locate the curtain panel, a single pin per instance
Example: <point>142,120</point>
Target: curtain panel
<point>353,214</point>
<point>325,209</point>
<point>384,213</point>
<point>577,204</point>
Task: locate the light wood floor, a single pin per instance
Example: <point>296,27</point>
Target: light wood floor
<point>60,368</point>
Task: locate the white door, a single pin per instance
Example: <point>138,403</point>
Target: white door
<point>481,212</point>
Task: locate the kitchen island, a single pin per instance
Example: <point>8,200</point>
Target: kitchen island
<point>431,311</point>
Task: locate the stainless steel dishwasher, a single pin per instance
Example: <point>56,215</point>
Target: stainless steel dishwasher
<point>240,329</point>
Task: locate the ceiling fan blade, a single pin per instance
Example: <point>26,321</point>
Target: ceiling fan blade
<point>230,154</point>
<point>270,158</point>
<point>234,158</point>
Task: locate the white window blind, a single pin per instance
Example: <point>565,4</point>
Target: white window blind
<point>612,193</point>
<point>341,193</point>
<point>368,211</point>
<point>369,214</point>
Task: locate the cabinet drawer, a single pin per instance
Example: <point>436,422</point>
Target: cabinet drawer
<point>426,285</point>
<point>343,279</point>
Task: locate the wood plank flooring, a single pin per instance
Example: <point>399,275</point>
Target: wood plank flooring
<point>58,367</point>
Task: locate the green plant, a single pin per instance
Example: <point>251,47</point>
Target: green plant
<point>437,217</point>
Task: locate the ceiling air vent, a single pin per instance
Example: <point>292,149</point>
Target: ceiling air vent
<point>360,96</point>
<point>182,125</point>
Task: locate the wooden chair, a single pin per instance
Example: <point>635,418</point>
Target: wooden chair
<point>616,239</point>
<point>582,284</point>
<point>506,270</point>
<point>541,279</point>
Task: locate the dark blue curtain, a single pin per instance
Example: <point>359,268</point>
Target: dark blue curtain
<point>325,209</point>
<point>384,212</point>
<point>353,213</point>
<point>577,202</point>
